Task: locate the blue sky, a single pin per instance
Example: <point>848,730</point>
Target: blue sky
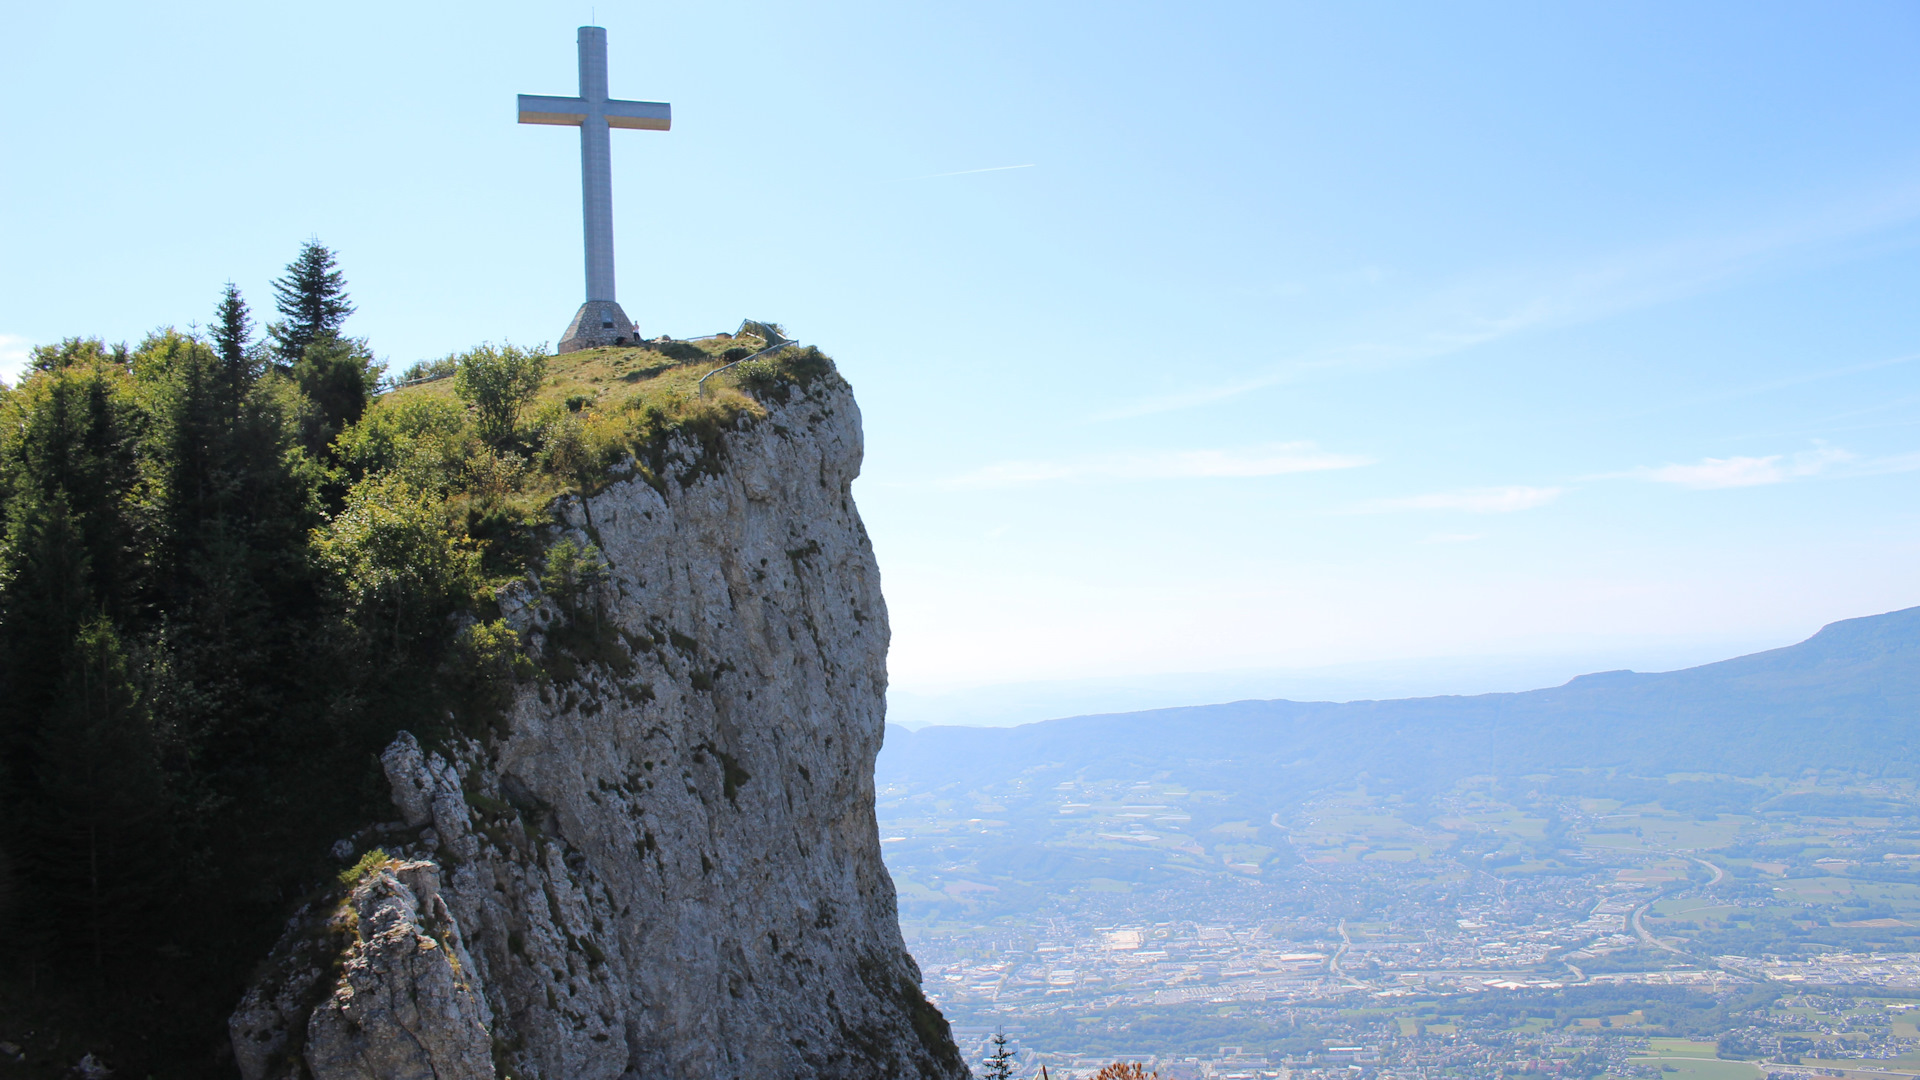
<point>1329,349</point>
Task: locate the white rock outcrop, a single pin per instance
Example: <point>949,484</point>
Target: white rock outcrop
<point>402,1006</point>
<point>380,987</point>
<point>662,861</point>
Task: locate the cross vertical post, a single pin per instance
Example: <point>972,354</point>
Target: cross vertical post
<point>596,165</point>
<point>599,322</point>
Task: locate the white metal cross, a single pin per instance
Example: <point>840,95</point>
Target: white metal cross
<point>593,112</point>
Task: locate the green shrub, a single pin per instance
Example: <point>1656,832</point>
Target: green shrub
<point>395,559</point>
<point>497,383</point>
<point>573,573</point>
<point>481,669</point>
<point>371,861</point>
<point>403,433</point>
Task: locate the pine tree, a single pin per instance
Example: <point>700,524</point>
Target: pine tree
<point>183,717</point>
<point>233,511</point>
<point>49,590</point>
<point>99,822</point>
<point>232,326</point>
<point>1000,1061</point>
<point>339,376</point>
<point>68,482</point>
<point>312,299</point>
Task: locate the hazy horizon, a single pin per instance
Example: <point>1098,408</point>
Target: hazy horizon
<point>1012,704</point>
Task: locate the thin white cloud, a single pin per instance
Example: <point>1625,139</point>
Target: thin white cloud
<point>1896,463</point>
<point>1453,538</point>
<point>1732,472</point>
<point>13,358</point>
<point>970,172</point>
<point>1479,310</point>
<point>1501,500</point>
<point>1274,459</point>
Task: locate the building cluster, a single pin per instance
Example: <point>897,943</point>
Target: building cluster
<point>1064,960</point>
<point>1381,998</point>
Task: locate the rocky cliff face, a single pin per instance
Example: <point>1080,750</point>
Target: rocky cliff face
<point>664,861</point>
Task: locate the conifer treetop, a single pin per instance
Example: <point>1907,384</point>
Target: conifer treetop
<point>312,300</point>
<point>231,331</point>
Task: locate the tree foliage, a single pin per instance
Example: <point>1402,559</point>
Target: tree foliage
<point>497,383</point>
<point>225,583</point>
<point>395,559</point>
<point>198,618</point>
<point>232,335</point>
<point>312,299</point>
<point>572,574</point>
<point>102,814</point>
<point>339,377</point>
<point>999,1065</point>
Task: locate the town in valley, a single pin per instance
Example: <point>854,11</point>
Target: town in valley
<point>1505,927</point>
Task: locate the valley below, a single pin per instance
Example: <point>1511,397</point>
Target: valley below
<point>1505,921</point>
<point>1106,897</point>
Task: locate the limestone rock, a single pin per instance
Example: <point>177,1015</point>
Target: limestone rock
<point>402,1008</point>
<point>379,987</point>
<point>269,1028</point>
<point>421,792</point>
<point>664,858</point>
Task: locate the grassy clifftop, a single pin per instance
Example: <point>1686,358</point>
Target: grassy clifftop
<point>653,376</point>
<point>631,398</point>
<point>495,479</point>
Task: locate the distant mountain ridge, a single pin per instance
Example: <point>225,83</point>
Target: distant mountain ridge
<point>1845,699</point>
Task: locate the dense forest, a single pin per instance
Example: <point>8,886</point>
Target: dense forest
<point>230,570</point>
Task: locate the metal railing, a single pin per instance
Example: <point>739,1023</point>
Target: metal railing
<point>404,383</point>
<point>783,342</point>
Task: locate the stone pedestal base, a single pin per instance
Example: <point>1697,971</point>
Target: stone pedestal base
<point>598,324</point>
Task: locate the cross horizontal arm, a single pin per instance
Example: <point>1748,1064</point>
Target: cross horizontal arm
<point>572,112</point>
<point>568,111</point>
<point>646,115</point>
